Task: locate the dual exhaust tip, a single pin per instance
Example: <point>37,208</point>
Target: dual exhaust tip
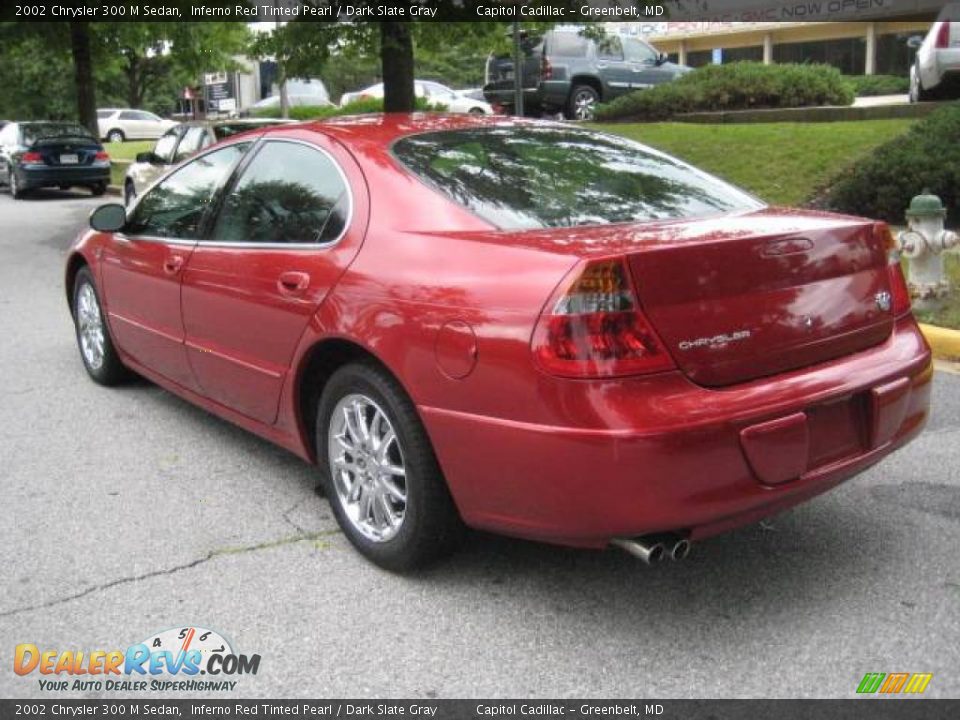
<point>652,549</point>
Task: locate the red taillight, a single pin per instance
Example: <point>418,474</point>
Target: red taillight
<point>546,69</point>
<point>943,35</point>
<point>31,157</point>
<point>899,293</point>
<point>593,327</point>
<point>102,155</point>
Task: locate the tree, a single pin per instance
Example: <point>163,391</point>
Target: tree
<point>83,75</point>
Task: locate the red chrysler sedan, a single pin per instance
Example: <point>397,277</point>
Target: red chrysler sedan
<point>529,328</point>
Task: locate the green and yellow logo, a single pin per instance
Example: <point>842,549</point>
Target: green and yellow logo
<point>893,683</point>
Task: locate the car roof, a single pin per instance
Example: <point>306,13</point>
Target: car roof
<point>383,129</point>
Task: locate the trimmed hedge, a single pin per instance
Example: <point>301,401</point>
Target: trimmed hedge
<point>866,85</point>
<point>358,107</point>
<point>925,157</point>
<point>735,86</point>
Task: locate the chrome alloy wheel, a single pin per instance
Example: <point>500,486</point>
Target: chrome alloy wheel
<point>367,467</point>
<point>583,105</point>
<point>90,327</point>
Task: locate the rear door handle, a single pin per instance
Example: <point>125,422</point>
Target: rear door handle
<point>293,282</point>
<point>172,264</point>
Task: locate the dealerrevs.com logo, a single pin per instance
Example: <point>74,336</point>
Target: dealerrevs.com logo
<point>179,659</point>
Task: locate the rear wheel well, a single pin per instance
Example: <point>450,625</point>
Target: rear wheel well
<point>322,360</point>
<point>587,80</point>
<point>74,264</point>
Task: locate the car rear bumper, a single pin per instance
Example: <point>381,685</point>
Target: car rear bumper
<point>712,460</point>
<point>46,176</point>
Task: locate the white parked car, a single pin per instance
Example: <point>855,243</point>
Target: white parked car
<point>936,72</point>
<point>434,92</point>
<point>119,124</point>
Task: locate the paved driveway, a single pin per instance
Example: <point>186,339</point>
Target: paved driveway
<point>127,511</point>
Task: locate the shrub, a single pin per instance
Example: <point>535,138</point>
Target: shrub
<point>925,157</point>
<point>736,86</point>
<point>358,107</point>
<point>864,85</point>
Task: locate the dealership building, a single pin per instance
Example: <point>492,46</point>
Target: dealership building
<point>862,37</point>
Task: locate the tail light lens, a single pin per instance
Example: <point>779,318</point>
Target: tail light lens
<point>31,157</point>
<point>546,69</point>
<point>899,293</point>
<point>593,327</point>
<point>102,156</point>
<point>943,35</point>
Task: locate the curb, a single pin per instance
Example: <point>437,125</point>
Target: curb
<point>944,342</point>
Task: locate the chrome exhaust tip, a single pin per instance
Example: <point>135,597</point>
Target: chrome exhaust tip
<point>680,549</point>
<point>649,552</point>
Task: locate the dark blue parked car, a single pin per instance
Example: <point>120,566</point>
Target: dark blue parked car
<point>52,154</point>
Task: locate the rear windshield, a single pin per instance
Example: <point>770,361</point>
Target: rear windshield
<point>551,176</point>
<point>33,133</point>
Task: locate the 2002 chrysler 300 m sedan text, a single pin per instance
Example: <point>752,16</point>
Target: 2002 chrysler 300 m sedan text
<point>528,328</point>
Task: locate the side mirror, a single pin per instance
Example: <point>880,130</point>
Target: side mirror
<point>148,157</point>
<point>662,58</point>
<point>914,41</point>
<point>109,218</point>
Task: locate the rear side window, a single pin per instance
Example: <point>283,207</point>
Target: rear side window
<point>175,207</point>
<point>165,146</point>
<point>568,45</point>
<point>192,142</point>
<point>551,176</point>
<point>289,193</point>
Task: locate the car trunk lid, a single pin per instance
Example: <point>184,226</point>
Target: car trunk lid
<point>66,151</point>
<point>748,303</point>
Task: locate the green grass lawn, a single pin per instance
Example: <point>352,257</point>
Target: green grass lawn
<point>782,163</point>
<point>948,315</point>
<point>123,153</point>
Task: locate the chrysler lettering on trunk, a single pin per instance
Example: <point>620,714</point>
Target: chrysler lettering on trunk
<point>714,340</point>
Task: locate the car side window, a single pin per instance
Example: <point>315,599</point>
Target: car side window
<point>165,147</point>
<point>289,193</point>
<point>610,47</point>
<point>129,115</point>
<point>190,143</point>
<point>175,207</point>
<point>639,52</point>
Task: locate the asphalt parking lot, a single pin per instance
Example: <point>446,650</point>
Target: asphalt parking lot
<point>128,511</point>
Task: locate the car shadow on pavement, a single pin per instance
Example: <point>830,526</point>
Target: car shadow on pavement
<point>48,194</point>
<point>821,556</point>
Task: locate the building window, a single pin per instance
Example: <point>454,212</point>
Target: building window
<point>893,55</point>
<point>848,55</point>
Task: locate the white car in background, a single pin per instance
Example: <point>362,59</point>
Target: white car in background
<point>119,124</point>
<point>434,92</point>
<point>936,72</point>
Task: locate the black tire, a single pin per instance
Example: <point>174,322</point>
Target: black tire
<point>13,184</point>
<point>116,135</point>
<point>582,102</point>
<point>431,527</point>
<point>110,371</point>
<point>98,189</point>
<point>129,193</point>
